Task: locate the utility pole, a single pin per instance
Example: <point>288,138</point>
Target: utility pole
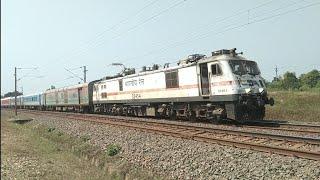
<point>15,91</point>
<point>15,86</point>
<point>84,79</point>
<point>276,69</point>
<point>85,74</point>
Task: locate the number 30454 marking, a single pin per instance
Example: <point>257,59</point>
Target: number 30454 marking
<point>136,96</point>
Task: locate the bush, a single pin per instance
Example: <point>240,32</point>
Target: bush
<point>51,129</point>
<point>85,138</point>
<point>112,150</point>
<point>59,133</point>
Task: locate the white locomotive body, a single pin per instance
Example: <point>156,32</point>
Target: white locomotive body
<point>224,85</point>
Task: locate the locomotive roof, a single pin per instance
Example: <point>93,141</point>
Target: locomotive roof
<point>223,57</point>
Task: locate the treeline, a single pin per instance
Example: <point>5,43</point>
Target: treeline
<point>289,81</point>
<point>11,94</point>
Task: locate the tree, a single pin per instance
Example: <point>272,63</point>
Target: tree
<point>52,87</point>
<point>290,81</point>
<point>310,79</point>
<point>276,83</point>
<point>12,94</point>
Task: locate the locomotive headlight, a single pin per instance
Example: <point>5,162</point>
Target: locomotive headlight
<point>261,90</point>
<point>248,90</point>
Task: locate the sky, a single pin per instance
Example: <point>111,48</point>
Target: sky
<point>53,36</point>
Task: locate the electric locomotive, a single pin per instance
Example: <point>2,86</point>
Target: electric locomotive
<point>224,85</point>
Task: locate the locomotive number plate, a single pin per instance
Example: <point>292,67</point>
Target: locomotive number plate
<point>136,96</point>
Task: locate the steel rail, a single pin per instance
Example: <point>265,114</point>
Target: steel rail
<point>285,126</point>
<point>227,131</point>
<point>198,134</point>
<point>271,125</point>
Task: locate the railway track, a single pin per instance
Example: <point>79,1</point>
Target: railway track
<point>289,127</point>
<point>303,128</point>
<point>302,147</point>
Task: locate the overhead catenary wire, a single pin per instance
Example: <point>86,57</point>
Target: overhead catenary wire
<point>92,43</point>
<point>99,41</point>
<point>101,34</point>
<point>246,24</point>
<point>74,74</point>
<point>238,26</point>
<point>226,29</point>
<point>62,80</point>
<point>219,20</point>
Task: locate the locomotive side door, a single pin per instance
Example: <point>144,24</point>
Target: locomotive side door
<point>204,79</point>
<point>216,78</point>
<point>96,91</point>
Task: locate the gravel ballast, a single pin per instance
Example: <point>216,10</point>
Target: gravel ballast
<point>176,158</point>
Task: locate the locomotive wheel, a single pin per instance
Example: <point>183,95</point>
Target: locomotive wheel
<point>261,113</point>
<point>216,120</point>
<point>173,114</point>
<point>191,115</point>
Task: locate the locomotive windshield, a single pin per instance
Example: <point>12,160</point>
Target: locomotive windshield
<point>241,67</point>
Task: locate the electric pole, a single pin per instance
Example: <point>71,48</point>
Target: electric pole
<point>15,86</point>
<point>85,74</point>
<point>84,79</point>
<point>15,91</point>
<point>276,69</point>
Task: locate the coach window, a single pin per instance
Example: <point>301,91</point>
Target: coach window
<point>216,70</point>
<point>172,79</point>
<point>120,85</point>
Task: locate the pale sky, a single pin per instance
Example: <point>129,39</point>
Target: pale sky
<point>53,35</point>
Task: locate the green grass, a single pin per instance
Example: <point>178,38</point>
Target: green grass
<point>294,105</point>
<point>113,149</point>
<point>58,155</point>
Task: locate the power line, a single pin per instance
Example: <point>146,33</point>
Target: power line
<point>237,14</point>
<point>84,79</point>
<point>228,28</point>
<point>127,18</point>
<point>99,42</point>
<point>98,39</point>
<point>254,20</point>
<point>101,34</point>
<point>54,82</point>
<point>74,74</point>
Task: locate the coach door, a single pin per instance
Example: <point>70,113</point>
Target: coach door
<point>204,79</point>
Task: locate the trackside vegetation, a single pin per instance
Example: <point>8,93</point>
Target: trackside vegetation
<point>289,81</point>
<point>33,151</point>
<point>296,98</point>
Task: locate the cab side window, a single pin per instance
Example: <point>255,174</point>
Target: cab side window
<point>216,70</point>
<point>172,79</point>
<point>120,85</point>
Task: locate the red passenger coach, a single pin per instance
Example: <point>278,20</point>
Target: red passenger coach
<point>5,102</point>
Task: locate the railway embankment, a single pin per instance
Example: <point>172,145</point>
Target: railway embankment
<point>174,158</point>
<point>36,151</point>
